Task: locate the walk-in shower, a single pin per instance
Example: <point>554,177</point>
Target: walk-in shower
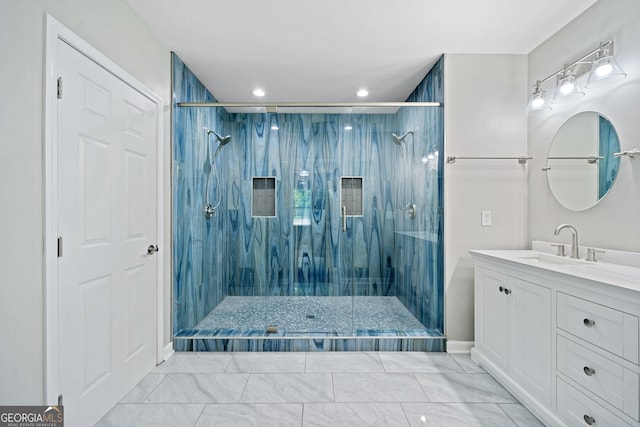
<point>311,246</point>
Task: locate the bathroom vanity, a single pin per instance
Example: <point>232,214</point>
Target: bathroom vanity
<point>561,334</point>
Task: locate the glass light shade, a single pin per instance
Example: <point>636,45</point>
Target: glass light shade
<point>568,89</point>
<point>537,102</point>
<point>604,70</point>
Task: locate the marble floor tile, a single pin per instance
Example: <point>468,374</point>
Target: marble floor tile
<point>251,415</point>
<point>469,366</point>
<point>466,388</point>
<point>199,388</point>
<point>266,363</point>
<point>186,363</point>
<point>143,389</point>
<point>288,388</point>
<point>520,415</point>
<point>344,362</point>
<point>456,415</point>
<point>419,362</point>
<point>354,415</point>
<point>145,415</point>
<point>377,387</point>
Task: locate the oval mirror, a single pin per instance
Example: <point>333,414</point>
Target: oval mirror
<point>581,166</point>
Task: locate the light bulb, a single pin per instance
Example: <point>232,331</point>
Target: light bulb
<point>566,87</point>
<point>258,92</point>
<point>537,102</point>
<point>362,93</point>
<point>604,70</point>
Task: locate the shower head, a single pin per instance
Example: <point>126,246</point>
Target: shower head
<point>223,140</point>
<point>398,139</point>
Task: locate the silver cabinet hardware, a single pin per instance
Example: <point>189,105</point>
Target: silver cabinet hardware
<point>152,249</point>
<point>589,420</point>
<point>589,323</point>
<point>591,254</point>
<point>507,291</point>
<point>501,289</point>
<point>589,371</point>
<point>560,251</point>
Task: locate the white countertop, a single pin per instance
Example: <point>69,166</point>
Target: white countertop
<point>624,276</point>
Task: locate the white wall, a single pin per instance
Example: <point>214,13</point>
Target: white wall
<point>485,97</point>
<point>613,223</point>
<point>112,28</point>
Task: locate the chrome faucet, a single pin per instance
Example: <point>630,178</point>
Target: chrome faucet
<point>575,249</point>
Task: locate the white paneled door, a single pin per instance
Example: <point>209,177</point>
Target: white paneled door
<point>107,222</point>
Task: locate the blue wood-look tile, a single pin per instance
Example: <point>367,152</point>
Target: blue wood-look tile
<point>303,252</point>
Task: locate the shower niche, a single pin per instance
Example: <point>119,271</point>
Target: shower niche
<point>351,195</point>
<point>309,248</point>
<point>263,199</point>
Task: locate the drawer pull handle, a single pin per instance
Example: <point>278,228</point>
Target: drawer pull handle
<point>589,323</point>
<point>589,420</point>
<point>501,289</point>
<point>507,291</point>
<point>589,371</point>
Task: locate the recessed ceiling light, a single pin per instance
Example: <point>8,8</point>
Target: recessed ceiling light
<point>362,93</point>
<point>274,127</point>
<point>258,92</point>
<point>348,127</point>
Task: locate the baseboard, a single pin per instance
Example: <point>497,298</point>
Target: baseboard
<point>167,352</point>
<point>459,347</point>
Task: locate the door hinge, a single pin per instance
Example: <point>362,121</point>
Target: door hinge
<point>59,87</point>
<point>59,247</point>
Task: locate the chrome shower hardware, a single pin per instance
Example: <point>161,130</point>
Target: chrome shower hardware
<point>210,210</point>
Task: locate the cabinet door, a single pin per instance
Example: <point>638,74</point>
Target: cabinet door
<point>491,315</point>
<point>530,337</point>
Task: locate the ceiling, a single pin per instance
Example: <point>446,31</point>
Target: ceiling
<point>324,51</point>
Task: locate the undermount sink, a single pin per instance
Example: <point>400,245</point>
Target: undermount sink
<point>550,259</point>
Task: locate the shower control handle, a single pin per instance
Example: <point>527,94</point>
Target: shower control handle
<point>152,249</point>
<point>344,218</point>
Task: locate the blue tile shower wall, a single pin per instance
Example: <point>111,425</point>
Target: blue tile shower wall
<point>195,275</point>
<point>420,252</point>
<point>303,251</point>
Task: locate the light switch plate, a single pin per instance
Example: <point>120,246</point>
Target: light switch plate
<point>486,218</point>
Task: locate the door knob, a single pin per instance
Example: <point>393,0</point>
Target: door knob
<point>152,249</point>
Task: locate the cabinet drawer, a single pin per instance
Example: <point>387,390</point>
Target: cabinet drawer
<point>603,377</point>
<point>578,410</point>
<point>605,327</point>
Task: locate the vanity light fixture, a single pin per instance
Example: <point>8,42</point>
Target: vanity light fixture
<point>605,69</point>
<point>538,101</point>
<point>568,88</point>
<point>599,63</point>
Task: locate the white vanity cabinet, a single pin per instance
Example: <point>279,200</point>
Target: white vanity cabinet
<point>513,329</point>
<point>562,336</point>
